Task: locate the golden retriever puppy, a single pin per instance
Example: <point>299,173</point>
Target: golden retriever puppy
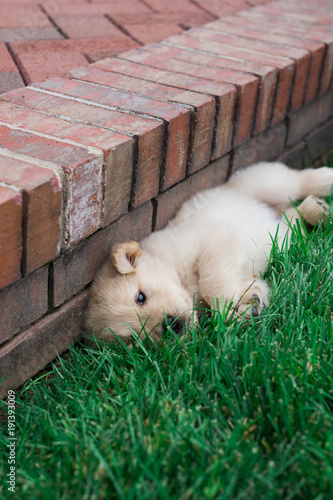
<point>215,250</point>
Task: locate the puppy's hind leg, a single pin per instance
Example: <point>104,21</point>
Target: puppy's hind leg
<point>314,210</point>
<point>276,185</point>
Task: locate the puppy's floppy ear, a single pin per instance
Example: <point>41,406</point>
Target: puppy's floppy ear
<point>125,256</point>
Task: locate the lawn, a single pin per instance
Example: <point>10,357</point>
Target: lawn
<point>237,410</point>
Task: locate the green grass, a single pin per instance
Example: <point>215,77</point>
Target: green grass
<point>238,410</point>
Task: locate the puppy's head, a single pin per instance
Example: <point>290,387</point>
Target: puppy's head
<point>138,291</point>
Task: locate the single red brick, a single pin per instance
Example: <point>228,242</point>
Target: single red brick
<point>202,107</point>
<point>20,16</point>
<point>77,26</point>
<point>176,118</point>
<point>23,302</point>
<point>149,33</point>
<point>309,117</point>
<point>60,56</point>
<point>10,235</point>
<point>16,34</point>
<point>264,147</point>
<point>83,45</point>
<point>80,171</point>
<point>185,19</point>
<point>174,59</point>
<point>41,191</point>
<point>254,30</point>
<point>234,36</point>
<point>253,62</point>
<point>224,94</point>
<point>75,269</point>
<point>147,132</point>
<point>211,54</point>
<point>169,203</point>
<point>54,64</point>
<point>27,353</point>
<point>118,150</point>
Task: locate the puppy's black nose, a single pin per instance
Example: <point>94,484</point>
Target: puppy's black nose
<point>175,324</point>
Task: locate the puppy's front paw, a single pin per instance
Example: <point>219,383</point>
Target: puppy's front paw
<point>253,301</point>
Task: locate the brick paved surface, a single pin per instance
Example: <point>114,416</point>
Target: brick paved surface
<point>108,151</point>
<point>42,38</point>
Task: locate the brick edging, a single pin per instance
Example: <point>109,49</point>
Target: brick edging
<point>111,152</point>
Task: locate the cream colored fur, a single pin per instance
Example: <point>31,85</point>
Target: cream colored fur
<point>215,248</point>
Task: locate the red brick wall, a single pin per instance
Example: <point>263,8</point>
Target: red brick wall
<point>111,153</point>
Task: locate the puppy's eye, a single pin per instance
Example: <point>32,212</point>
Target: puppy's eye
<point>141,298</point>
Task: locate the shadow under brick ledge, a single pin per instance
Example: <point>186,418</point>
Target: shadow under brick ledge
<point>109,151</point>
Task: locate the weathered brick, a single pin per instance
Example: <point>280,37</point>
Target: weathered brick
<point>30,298</point>
<point>320,141</point>
<point>75,269</point>
<point>246,85</point>
<point>41,191</point>
<point>224,94</point>
<point>264,147</point>
<point>202,107</point>
<point>255,62</point>
<point>118,150</point>
<point>147,132</point>
<point>169,203</point>
<point>256,31</point>
<point>310,116</point>
<point>211,54</point>
<point>280,21</point>
<point>10,235</point>
<point>80,171</point>
<point>27,353</point>
<point>176,119</point>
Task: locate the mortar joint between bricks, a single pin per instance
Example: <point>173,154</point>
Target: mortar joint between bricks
<point>15,59</point>
<point>165,140</point>
<point>62,33</point>
<point>122,29</point>
<point>230,165</point>
<point>154,217</point>
<point>134,181</point>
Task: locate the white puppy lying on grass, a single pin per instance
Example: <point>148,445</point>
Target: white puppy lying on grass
<point>216,247</point>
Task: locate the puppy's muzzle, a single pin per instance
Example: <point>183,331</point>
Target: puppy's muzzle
<point>176,325</point>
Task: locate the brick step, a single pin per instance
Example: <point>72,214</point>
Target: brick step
<point>110,152</point>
